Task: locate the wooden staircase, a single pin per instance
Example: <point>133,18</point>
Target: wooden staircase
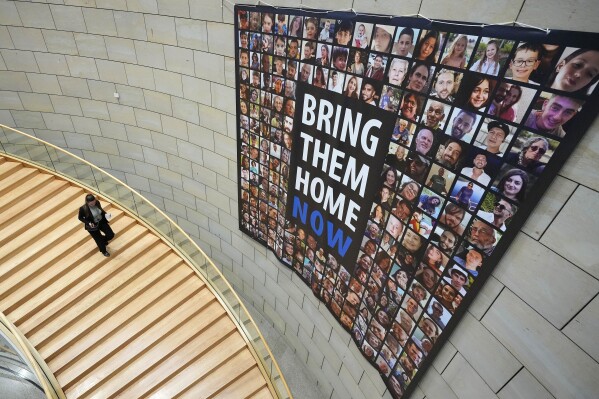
<point>139,324</point>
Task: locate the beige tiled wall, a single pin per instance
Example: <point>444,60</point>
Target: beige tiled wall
<point>531,333</point>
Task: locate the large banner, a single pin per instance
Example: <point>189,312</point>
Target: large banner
<point>391,161</point>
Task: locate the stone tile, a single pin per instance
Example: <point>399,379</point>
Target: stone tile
<point>434,386</point>
<point>94,109</point>
<point>144,6</point>
<point>86,126</point>
<point>221,98</point>
<point>82,67</point>
<point>113,130</point>
<point>52,64</point>
<point>12,100</point>
<point>579,15</point>
<point>9,14</point>
<point>78,141</point>
<point>100,22</point>
<point>113,4</point>
<point>213,118</point>
<point>130,150</point>
<point>444,356</point>
<point>27,38</point>
<point>559,365</point>
<point>563,288</point>
<point>208,10</point>
<point>583,328</point>
<point>105,146</point>
<point>183,168</point>
<point>472,10</point>
<point>196,89</point>
<point>178,8</point>
<point>44,83</point>
<point>6,118</point>
<point>165,143</point>
<point>491,360</point>
<point>35,15</point>
<point>161,29</point>
<point>174,127</point>
<point>17,60</point>
<point>147,119</point>
<point>150,54</point>
<point>158,102</point>
<point>121,50</point>
<point>524,386</point>
<point>51,136</point>
<point>28,119</point>
<point>111,71</point>
<point>60,42</point>
<point>185,109</point>
<point>131,96</point>
<point>388,7</point>
<point>58,122</point>
<point>36,102</point>
<point>14,81</point>
<point>465,381</point>
<point>5,39</point>
<point>230,71</point>
<point>75,87</point>
<point>140,76</point>
<point>130,25</point>
<point>221,39</point>
<point>192,33</point>
<point>91,45</point>
<point>82,3</point>
<point>66,105</point>
<point>103,91</point>
<point>485,297</point>
<point>168,82</point>
<point>122,114</point>
<point>583,162</point>
<point>139,136</point>
<point>551,203</point>
<point>179,60</point>
<point>68,18</point>
<point>577,229</point>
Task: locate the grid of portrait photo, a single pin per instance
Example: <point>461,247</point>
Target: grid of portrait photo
<point>477,120</point>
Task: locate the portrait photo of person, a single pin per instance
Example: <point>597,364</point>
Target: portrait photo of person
<point>551,112</point>
<point>376,67</point>
<point>483,236</point>
<point>370,92</point>
<point>417,167</point>
<point>424,141</point>
<point>463,124</point>
<point>446,84</point>
<point>280,46</point>
<point>475,92</point>
<point>396,74</point>
<point>305,74</point>
<point>323,55</point>
<point>467,194</point>
<point>326,30</point>
<point>577,72</point>
<point>403,44</point>
<point>427,48</point>
<point>293,48</point>
<point>440,179</point>
<point>494,137</point>
<point>531,152</point>
<point>430,202</point>
<point>403,131</point>
<point>268,22</point>
<point>295,27</point>
<point>435,113</point>
<point>292,69</point>
<point>409,189</point>
<point>382,38</point>
<point>411,106</point>
<point>487,56</point>
<point>524,62</point>
<point>496,211</point>
<point>357,61</point>
<point>308,51</point>
<point>255,21</point>
<point>362,35</point>
<point>458,50</point>
<point>513,183</point>
<point>339,58</point>
<point>480,166</point>
<point>336,80</point>
<point>450,153</point>
<point>396,157</point>
<point>343,32</point>
<point>419,76</point>
<point>311,28</point>
<point>390,99</point>
<point>320,77</point>
<point>458,279</point>
<point>267,43</point>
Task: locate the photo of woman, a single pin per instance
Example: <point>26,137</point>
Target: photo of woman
<point>475,92</point>
<point>576,73</point>
<point>427,47</point>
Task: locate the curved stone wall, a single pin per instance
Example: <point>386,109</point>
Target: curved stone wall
<point>171,135</point>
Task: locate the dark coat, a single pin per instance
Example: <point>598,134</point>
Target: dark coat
<point>85,215</point>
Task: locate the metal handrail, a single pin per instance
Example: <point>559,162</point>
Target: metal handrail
<point>30,152</point>
<point>45,377</point>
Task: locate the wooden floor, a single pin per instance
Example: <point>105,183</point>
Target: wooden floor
<point>139,324</point>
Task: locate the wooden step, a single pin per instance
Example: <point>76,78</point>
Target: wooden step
<point>250,383</point>
<point>14,179</point>
<point>20,194</point>
<point>162,329</point>
<point>9,167</point>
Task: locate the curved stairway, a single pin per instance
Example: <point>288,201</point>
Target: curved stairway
<point>139,324</point>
